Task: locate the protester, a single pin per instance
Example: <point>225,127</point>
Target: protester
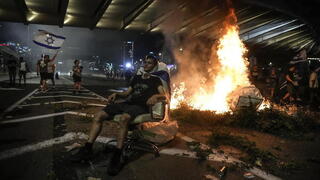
<point>76,74</point>
<point>23,68</point>
<point>51,71</point>
<point>12,68</point>
<point>314,87</point>
<point>273,82</point>
<point>292,84</point>
<point>42,68</point>
<point>144,90</point>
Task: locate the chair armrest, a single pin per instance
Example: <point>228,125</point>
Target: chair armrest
<point>158,110</point>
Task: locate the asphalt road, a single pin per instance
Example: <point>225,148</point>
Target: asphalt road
<point>34,134</point>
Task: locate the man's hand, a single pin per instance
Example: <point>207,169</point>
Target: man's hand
<point>152,100</point>
<point>112,97</point>
<point>295,83</point>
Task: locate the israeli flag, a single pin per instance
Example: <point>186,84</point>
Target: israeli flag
<point>48,40</point>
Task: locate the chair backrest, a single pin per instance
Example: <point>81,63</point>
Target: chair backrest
<point>160,110</point>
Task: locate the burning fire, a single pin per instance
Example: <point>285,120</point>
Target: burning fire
<point>231,74</point>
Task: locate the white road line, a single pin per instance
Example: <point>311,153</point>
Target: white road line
<point>34,147</point>
<point>80,97</point>
<point>61,102</point>
<point>216,157</point>
<point>66,92</point>
<point>48,143</point>
<point>32,118</point>
<point>45,116</point>
<point>10,89</point>
<point>72,135</point>
<point>101,97</point>
<point>19,102</point>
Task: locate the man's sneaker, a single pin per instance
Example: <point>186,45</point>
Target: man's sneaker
<point>83,154</point>
<point>116,163</point>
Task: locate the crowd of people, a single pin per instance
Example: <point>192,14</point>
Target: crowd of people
<point>295,84</point>
<point>14,67</point>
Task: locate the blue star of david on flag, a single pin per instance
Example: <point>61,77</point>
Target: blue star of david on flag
<point>48,40</point>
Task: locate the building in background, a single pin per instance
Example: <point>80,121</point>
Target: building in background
<point>128,48</point>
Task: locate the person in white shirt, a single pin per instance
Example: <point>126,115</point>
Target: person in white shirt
<point>23,67</point>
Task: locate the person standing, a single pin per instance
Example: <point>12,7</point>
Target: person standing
<point>313,86</point>
<point>292,84</point>
<point>12,68</point>
<point>51,71</point>
<point>42,68</point>
<point>76,74</point>
<point>23,67</point>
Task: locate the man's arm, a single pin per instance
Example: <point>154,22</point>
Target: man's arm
<point>113,96</point>
<point>289,79</point>
<point>155,98</point>
<point>54,57</point>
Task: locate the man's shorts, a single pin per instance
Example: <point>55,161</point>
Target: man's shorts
<point>43,76</point>
<point>77,78</point>
<point>120,108</point>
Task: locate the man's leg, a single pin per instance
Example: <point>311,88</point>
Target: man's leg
<point>11,77</point>
<point>115,163</point>
<point>25,78</point>
<point>85,152</point>
<point>97,125</point>
<point>124,123</point>
<point>14,77</point>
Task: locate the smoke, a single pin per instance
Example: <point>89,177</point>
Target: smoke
<point>195,55</point>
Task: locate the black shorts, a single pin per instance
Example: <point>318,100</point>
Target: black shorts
<point>120,108</point>
<point>43,76</point>
<point>77,79</point>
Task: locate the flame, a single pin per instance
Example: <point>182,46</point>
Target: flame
<point>231,74</point>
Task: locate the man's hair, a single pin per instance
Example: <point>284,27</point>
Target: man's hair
<point>150,56</point>
<point>75,61</point>
<point>21,58</point>
<point>46,56</point>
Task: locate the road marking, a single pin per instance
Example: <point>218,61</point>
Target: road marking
<point>45,116</point>
<point>67,92</point>
<point>102,98</point>
<point>61,102</point>
<point>6,89</point>
<point>80,97</point>
<point>72,136</point>
<point>33,147</point>
<point>19,102</point>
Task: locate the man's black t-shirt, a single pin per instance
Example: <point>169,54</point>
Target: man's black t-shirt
<point>143,89</point>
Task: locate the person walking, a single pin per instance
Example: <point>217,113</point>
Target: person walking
<point>12,68</point>
<point>76,74</point>
<point>23,68</point>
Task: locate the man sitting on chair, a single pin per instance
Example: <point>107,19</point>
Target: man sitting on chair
<point>144,90</point>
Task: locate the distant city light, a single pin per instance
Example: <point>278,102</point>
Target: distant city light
<point>128,65</point>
